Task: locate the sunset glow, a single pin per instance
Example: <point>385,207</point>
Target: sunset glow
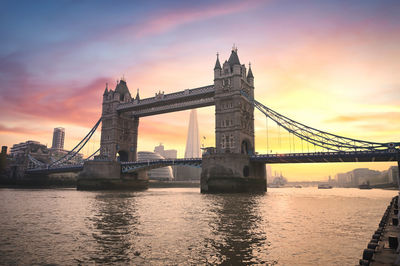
<point>332,65</point>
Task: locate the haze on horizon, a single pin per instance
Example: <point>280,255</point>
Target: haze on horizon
<point>332,65</point>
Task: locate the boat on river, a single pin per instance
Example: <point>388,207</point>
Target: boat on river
<point>365,186</point>
<point>324,186</point>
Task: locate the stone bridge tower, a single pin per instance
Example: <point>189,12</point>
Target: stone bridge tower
<point>229,169</point>
<point>234,114</point>
<point>119,131</point>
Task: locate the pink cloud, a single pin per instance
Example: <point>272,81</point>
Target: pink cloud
<point>163,22</point>
<point>74,105</point>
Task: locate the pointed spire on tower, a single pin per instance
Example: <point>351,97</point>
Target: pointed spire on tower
<point>234,58</point>
<point>137,95</point>
<point>250,73</point>
<point>217,64</point>
<point>106,90</point>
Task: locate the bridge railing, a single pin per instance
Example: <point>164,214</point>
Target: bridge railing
<point>390,151</point>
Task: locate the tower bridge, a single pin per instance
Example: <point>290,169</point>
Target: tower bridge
<point>233,165</point>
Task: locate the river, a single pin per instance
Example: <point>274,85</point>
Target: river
<point>164,226</point>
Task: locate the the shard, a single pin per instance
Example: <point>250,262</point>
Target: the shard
<point>193,140</point>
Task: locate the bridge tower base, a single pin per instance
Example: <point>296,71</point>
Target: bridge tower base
<point>232,173</point>
<point>106,175</point>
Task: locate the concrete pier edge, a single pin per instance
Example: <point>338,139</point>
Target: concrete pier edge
<point>107,175</point>
<point>383,248</point>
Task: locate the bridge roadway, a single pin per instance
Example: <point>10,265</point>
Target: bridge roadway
<point>172,102</point>
<point>329,157</point>
<point>61,169</point>
<point>314,157</point>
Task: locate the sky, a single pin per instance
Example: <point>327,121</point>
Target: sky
<point>333,65</point>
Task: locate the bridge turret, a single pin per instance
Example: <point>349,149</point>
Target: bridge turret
<point>250,77</point>
<point>106,90</point>
<point>234,120</point>
<point>217,68</point>
<point>137,99</point>
<point>119,130</point>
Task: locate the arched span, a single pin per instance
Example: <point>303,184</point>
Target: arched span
<point>128,167</point>
<point>122,156</point>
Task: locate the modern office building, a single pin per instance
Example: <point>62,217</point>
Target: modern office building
<point>21,148</point>
<point>58,138</point>
<point>192,151</point>
<point>193,139</point>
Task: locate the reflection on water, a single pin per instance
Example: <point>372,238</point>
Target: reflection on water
<point>236,234</point>
<point>113,225</point>
<point>181,226</point>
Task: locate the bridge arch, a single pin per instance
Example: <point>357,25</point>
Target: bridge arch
<point>122,156</point>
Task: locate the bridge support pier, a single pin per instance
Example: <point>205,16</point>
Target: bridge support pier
<point>106,175</point>
<point>231,173</point>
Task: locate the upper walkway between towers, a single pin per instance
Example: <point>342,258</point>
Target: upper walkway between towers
<point>171,102</point>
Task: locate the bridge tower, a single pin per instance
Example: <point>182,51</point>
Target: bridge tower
<point>119,131</point>
<point>229,168</point>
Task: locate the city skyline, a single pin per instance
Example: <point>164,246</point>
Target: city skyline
<point>329,65</point>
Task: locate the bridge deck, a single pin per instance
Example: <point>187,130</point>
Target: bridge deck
<point>63,169</point>
<point>328,157</point>
<point>315,157</point>
<point>172,102</point>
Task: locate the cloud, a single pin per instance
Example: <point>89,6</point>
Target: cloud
<point>388,117</point>
<point>23,97</point>
<point>21,130</point>
<point>162,22</point>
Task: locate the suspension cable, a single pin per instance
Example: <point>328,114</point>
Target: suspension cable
<point>317,137</point>
<point>71,154</point>
<point>266,122</point>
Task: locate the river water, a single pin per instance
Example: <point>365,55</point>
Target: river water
<point>285,226</point>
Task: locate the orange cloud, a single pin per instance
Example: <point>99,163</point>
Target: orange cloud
<point>21,130</point>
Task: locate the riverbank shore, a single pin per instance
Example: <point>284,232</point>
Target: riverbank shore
<point>383,248</point>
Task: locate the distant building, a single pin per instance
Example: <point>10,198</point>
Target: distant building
<point>362,175</point>
<point>21,151</point>
<point>4,149</point>
<point>279,180</point>
<point>163,173</point>
<point>41,153</point>
<point>167,154</point>
<point>193,140</point>
<point>343,179</point>
<point>21,147</point>
<point>192,151</point>
<point>58,138</point>
<point>393,175</point>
